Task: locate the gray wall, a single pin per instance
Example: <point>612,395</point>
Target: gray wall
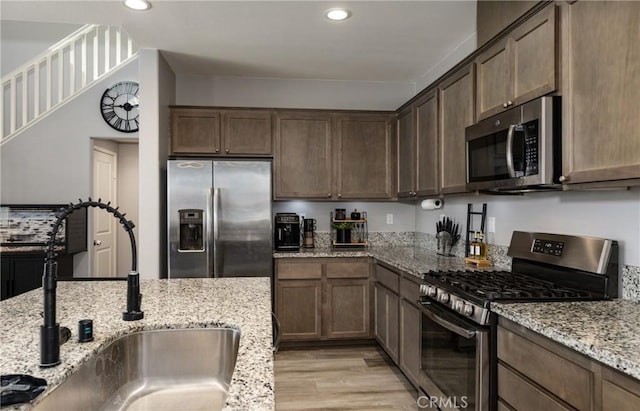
<point>607,214</point>
<point>24,40</point>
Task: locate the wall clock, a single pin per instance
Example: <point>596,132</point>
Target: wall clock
<point>119,106</point>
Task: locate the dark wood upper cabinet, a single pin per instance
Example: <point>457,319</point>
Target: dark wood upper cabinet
<point>519,67</point>
<point>426,113</point>
<point>212,131</point>
<point>456,113</point>
<point>406,153</point>
<point>601,93</point>
<point>364,150</point>
<point>303,155</point>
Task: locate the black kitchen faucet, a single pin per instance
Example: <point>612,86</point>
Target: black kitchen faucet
<point>50,331</point>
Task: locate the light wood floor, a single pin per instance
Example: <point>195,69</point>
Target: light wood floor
<point>340,378</point>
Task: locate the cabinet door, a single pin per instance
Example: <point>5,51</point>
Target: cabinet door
<point>406,153</point>
<point>534,55</point>
<point>381,314</point>
<point>410,341</point>
<point>303,155</point>
<point>248,132</point>
<point>347,314</point>
<point>456,113</point>
<point>195,131</point>
<point>426,111</point>
<point>27,274</point>
<point>494,84</point>
<point>364,152</point>
<point>6,277</point>
<point>299,309</point>
<point>601,125</point>
<point>619,392</point>
<point>393,326</point>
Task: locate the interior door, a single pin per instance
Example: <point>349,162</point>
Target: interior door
<point>103,254</point>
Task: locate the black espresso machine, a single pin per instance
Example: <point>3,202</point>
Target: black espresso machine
<point>286,234</point>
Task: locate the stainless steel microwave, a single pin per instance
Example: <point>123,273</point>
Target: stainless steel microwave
<point>518,150</point>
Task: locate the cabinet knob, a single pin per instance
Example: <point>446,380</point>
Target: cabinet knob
<point>339,195</point>
<point>329,195</point>
<point>563,179</point>
<point>510,103</point>
<point>217,150</point>
<point>226,151</point>
<point>504,105</point>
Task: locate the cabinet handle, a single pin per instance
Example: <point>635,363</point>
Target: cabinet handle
<point>563,179</point>
<point>97,242</point>
<point>226,151</point>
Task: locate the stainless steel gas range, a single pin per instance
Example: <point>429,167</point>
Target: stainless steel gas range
<point>458,350</point>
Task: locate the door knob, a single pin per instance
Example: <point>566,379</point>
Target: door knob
<point>97,242</point>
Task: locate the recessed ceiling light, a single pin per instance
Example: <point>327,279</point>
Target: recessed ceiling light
<point>337,14</point>
<point>137,4</point>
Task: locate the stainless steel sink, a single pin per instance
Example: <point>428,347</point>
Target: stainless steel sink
<point>186,369</point>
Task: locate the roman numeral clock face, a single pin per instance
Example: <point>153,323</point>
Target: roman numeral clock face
<point>119,106</point>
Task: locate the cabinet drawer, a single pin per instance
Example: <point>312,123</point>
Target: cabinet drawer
<point>409,290</point>
<point>356,269</point>
<point>523,396</point>
<point>387,278</point>
<point>298,270</point>
<point>554,373</point>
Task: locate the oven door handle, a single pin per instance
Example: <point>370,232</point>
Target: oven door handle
<point>449,325</point>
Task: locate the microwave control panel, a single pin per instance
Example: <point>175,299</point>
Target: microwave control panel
<point>531,160</point>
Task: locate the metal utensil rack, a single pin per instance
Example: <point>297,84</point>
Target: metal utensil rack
<point>359,232</point>
<point>470,225</point>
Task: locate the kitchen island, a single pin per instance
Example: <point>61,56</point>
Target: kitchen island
<point>240,303</point>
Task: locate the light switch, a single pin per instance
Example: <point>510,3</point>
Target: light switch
<point>389,218</point>
<point>491,225</point>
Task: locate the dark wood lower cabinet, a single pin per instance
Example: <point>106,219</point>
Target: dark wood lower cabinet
<point>536,373</point>
<point>323,298</point>
<point>22,272</point>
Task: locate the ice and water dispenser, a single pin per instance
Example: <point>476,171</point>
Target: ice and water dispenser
<point>191,230</point>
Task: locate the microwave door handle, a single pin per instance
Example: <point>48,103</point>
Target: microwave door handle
<point>461,331</point>
<point>510,168</point>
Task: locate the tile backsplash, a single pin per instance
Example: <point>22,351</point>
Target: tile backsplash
<point>27,226</point>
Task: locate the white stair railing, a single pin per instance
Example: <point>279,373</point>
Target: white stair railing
<point>62,72</point>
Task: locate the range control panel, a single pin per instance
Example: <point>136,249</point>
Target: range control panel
<point>547,247</point>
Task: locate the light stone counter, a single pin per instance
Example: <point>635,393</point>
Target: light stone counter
<point>412,260</point>
<point>607,331</point>
<point>240,303</point>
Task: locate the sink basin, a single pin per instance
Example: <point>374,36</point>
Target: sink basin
<point>186,369</point>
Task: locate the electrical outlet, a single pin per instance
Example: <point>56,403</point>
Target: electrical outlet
<point>491,225</point>
<point>389,218</point>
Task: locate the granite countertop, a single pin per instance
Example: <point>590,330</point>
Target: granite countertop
<point>240,303</point>
<point>412,260</point>
<point>607,331</point>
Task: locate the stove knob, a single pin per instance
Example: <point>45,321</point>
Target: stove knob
<point>431,291</point>
<point>443,297</point>
<point>458,306</point>
<point>468,310</point>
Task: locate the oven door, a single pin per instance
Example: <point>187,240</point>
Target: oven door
<point>454,360</point>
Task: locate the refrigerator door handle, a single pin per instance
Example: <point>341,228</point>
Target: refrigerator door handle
<point>209,232</point>
<point>216,235</point>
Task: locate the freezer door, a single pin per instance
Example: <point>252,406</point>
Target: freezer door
<point>242,218</point>
<point>189,209</point>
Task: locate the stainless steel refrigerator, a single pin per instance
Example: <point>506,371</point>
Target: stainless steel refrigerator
<point>219,218</point>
